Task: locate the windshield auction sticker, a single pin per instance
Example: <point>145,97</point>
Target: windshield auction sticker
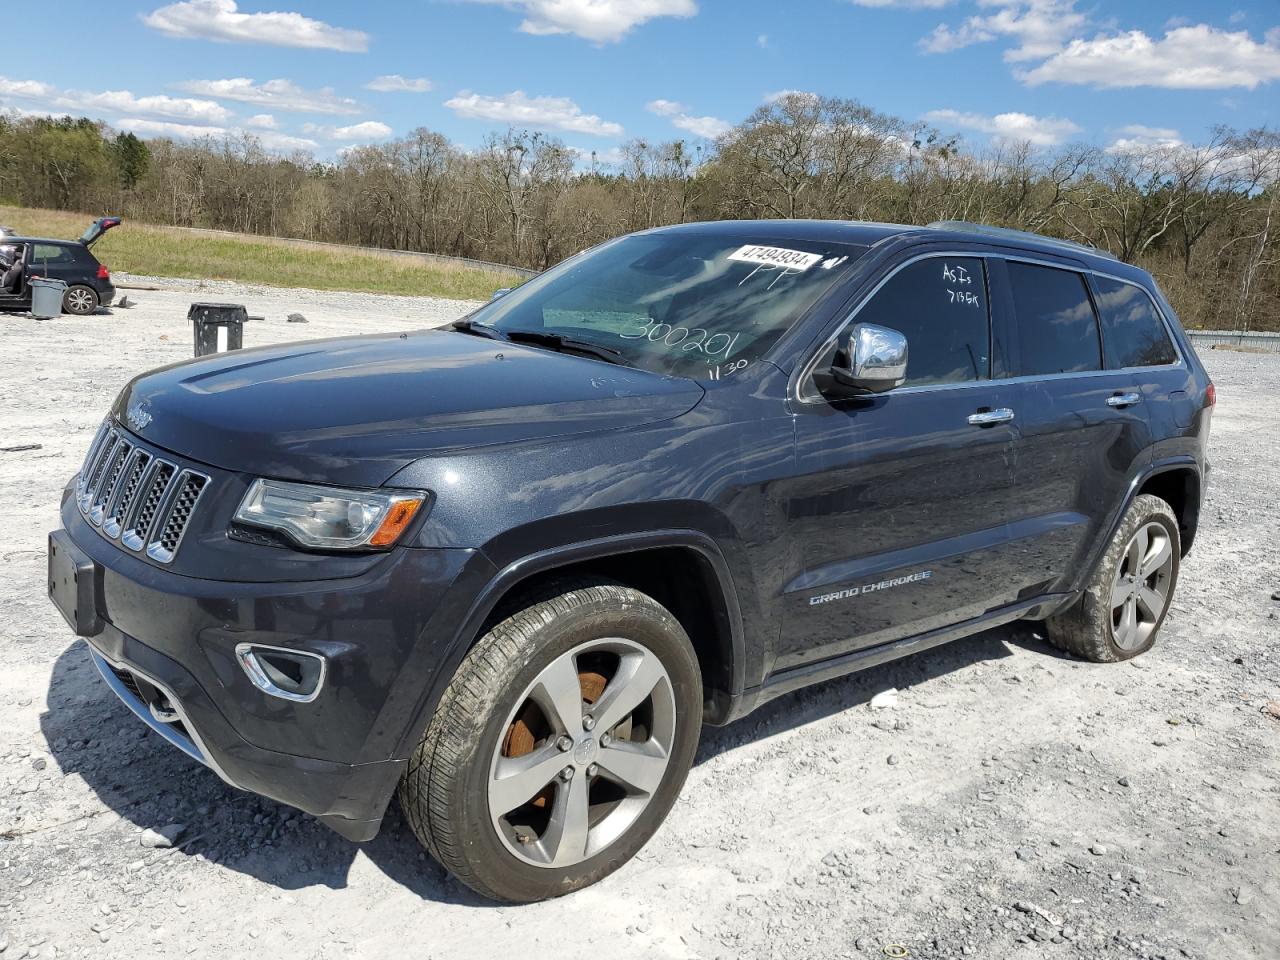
<point>780,257</point>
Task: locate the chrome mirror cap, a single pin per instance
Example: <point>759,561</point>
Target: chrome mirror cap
<point>873,359</point>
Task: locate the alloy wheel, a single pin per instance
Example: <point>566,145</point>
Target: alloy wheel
<point>582,753</point>
<point>79,301</point>
<point>1140,590</point>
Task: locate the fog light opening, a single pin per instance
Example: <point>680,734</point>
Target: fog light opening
<point>280,672</point>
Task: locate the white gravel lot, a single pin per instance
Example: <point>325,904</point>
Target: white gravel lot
<point>1014,803</point>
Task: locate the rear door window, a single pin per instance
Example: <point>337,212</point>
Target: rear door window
<point>1056,327</point>
<point>1132,330</point>
<point>48,252</point>
<point>940,304</point>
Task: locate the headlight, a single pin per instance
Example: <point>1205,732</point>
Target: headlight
<point>330,518</point>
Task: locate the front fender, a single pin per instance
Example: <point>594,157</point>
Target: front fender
<point>518,567</point>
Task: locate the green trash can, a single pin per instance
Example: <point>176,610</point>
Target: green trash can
<point>46,297</point>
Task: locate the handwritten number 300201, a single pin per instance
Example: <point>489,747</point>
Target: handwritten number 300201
<point>717,344</point>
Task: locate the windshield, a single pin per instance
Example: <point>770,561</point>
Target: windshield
<point>690,304</point>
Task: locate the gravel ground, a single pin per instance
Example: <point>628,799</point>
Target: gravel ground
<point>1013,803</point>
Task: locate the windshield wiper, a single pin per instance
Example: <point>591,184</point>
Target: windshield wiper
<point>478,329</point>
<point>563,344</point>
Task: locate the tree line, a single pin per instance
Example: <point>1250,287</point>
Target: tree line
<point>1203,219</point>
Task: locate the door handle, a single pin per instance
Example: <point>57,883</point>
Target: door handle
<point>985,418</point>
<point>1124,399</point>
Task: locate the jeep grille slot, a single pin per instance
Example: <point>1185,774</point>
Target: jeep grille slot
<point>189,486</point>
<point>96,468</point>
<point>111,476</point>
<point>119,509</point>
<point>136,497</point>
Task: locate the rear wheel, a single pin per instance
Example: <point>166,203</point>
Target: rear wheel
<point>560,745</point>
<point>80,300</point>
<point>1128,598</point>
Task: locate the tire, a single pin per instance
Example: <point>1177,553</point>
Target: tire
<point>607,643</point>
<point>1095,627</point>
<point>80,300</point>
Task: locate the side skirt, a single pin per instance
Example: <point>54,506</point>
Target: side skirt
<point>795,678</point>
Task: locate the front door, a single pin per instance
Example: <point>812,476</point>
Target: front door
<point>897,514</point>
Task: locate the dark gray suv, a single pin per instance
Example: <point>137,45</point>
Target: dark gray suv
<point>506,571</point>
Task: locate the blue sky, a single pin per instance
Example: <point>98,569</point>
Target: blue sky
<point>599,72</point>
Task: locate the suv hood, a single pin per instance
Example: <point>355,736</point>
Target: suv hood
<point>355,410</point>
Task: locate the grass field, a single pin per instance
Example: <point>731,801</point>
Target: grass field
<point>168,252</point>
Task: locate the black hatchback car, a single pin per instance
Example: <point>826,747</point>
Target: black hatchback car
<point>71,261</point>
<point>506,571</point>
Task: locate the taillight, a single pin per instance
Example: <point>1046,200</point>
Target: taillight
<point>103,273</point>
<point>1210,395</point>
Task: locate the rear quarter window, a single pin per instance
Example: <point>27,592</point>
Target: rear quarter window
<point>1132,330</point>
<point>1057,329</point>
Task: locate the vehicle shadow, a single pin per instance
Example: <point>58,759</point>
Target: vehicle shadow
<point>844,693</point>
<point>150,785</point>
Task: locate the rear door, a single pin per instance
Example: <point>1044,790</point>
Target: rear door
<point>1082,433</point>
<point>56,261</point>
<point>896,514</point>
<point>1136,339</point>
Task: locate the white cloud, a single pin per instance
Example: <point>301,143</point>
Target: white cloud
<point>1187,58</point>
<point>10,110</point>
<point>777,95</point>
<point>519,109</point>
<point>283,141</point>
<point>366,131</point>
<point>1037,28</point>
<point>1009,127</point>
<point>762,41</point>
<point>600,21</point>
<point>1150,133</point>
<point>189,131</point>
<point>611,157</point>
<point>394,83</point>
<point>114,102</point>
<point>163,128</point>
<point>279,94</point>
<point>678,113</point>
<point>263,121</point>
<point>221,20</point>
<point>1138,137</point>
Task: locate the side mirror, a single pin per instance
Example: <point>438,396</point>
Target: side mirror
<point>502,292</point>
<point>871,360</point>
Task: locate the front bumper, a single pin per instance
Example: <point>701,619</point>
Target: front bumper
<point>350,798</point>
<point>166,646</point>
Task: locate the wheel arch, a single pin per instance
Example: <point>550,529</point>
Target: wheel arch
<point>1179,485</point>
<point>682,569</point>
<point>1178,476</point>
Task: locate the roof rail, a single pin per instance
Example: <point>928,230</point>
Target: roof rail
<point>963,226</point>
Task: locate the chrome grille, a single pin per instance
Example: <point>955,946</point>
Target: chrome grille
<point>189,487</point>
<point>137,497</point>
<point>119,508</point>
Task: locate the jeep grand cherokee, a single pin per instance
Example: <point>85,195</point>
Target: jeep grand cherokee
<point>506,571</point>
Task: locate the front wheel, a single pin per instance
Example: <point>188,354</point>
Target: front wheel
<point>80,300</point>
<point>1128,597</point>
<point>560,745</point>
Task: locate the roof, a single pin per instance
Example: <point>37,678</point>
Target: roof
<point>14,239</point>
<point>868,234</point>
